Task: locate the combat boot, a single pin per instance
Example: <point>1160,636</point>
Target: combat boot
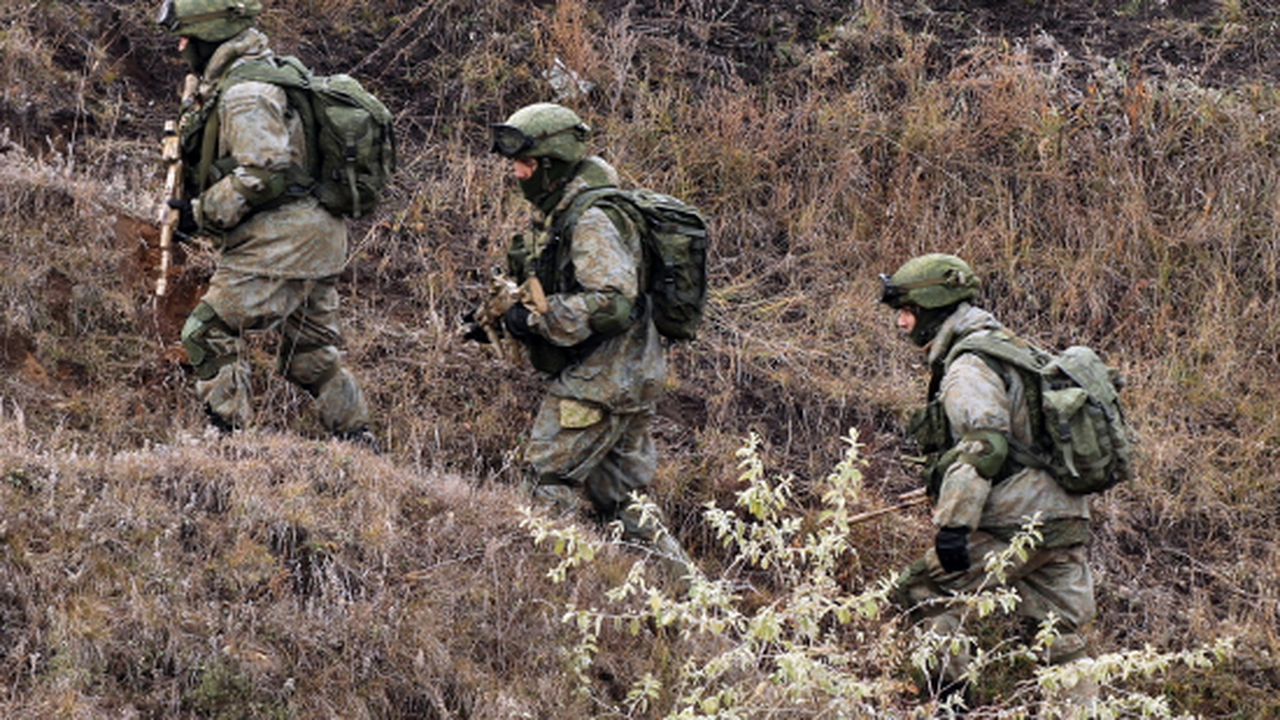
<point>361,436</point>
<point>645,525</point>
<point>953,700</point>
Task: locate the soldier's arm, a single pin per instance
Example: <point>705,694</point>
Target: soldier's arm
<point>254,130</point>
<point>977,408</point>
<point>607,272</point>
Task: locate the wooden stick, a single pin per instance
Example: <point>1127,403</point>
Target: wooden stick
<point>171,152</point>
<point>911,499</point>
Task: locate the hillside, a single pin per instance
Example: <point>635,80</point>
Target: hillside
<point>1108,167</point>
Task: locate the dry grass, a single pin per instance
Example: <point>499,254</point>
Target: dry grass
<point>150,573</point>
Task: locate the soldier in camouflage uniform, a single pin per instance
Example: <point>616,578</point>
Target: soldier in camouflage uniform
<point>982,496</point>
<point>280,251</point>
<point>595,342</point>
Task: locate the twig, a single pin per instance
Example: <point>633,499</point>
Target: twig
<point>905,500</point>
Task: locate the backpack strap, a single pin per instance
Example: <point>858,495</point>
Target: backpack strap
<point>294,78</point>
<point>565,222</point>
<point>1004,352</point>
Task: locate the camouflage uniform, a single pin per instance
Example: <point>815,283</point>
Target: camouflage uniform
<point>592,429</point>
<point>1055,576</point>
<point>278,264</point>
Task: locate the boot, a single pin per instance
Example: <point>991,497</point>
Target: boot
<point>361,436</point>
<point>953,700</point>
<point>643,523</point>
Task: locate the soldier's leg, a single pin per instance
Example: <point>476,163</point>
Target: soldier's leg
<point>926,590</point>
<point>222,377</point>
<point>609,456</point>
<point>560,454</point>
<point>1062,584</point>
<point>308,356</point>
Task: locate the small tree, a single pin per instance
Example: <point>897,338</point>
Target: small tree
<point>815,648</point>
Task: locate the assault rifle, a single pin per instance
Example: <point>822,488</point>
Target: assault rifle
<point>501,294</point>
<point>171,153</point>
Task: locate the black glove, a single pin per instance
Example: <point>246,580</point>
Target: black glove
<point>472,330</point>
<point>186,217</point>
<point>952,546</point>
<point>517,321</point>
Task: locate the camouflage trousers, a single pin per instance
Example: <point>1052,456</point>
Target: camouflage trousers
<point>304,313</point>
<point>1048,580</point>
<point>583,447</point>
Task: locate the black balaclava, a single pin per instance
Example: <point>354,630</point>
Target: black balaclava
<point>198,53</point>
<point>928,322</point>
<point>546,186</point>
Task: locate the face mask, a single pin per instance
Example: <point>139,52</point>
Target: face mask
<point>198,53</point>
<point>543,188</point>
<point>928,322</point>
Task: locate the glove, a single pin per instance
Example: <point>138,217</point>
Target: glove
<point>473,330</point>
<point>517,321</point>
<point>952,546</point>
<point>187,225</point>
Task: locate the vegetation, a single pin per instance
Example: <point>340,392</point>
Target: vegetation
<point>1107,166</point>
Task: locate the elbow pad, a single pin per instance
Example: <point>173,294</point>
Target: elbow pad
<point>612,316</point>
<point>258,187</point>
<point>985,450</point>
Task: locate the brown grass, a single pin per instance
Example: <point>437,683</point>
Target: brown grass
<point>148,571</point>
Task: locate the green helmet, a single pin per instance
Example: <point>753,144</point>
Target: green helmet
<point>208,20</point>
<point>930,281</point>
<point>542,130</point>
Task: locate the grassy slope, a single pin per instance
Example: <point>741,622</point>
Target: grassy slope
<point>1131,205</point>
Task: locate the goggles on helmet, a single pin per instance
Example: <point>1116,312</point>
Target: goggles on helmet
<point>167,17</point>
<point>510,141</point>
<point>891,293</point>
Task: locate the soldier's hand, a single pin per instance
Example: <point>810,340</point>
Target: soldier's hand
<point>952,546</point>
<point>186,217</point>
<point>472,330</point>
<point>516,320</point>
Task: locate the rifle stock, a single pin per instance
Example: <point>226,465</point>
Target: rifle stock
<point>171,153</point>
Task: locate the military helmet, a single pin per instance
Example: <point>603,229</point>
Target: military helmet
<point>930,281</point>
<point>542,130</point>
<point>208,20</point>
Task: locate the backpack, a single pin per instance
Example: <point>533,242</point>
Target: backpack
<point>674,236</point>
<point>1074,401</point>
<point>350,139</point>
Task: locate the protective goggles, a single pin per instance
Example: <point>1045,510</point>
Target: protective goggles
<point>892,294</point>
<point>510,141</point>
<point>167,17</point>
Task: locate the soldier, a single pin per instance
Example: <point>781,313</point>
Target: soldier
<point>280,251</point>
<point>977,411</point>
<point>594,338</point>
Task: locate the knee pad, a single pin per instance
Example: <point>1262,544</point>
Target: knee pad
<point>201,324</point>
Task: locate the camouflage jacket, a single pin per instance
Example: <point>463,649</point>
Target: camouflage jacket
<point>976,397</point>
<point>625,371</point>
<point>259,134</point>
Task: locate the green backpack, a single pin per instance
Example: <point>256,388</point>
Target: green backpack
<point>350,140</point>
<point>675,239</point>
<point>1074,399</point>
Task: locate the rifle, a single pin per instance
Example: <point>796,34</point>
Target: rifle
<point>905,500</point>
<point>502,294</point>
<point>171,153</point>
